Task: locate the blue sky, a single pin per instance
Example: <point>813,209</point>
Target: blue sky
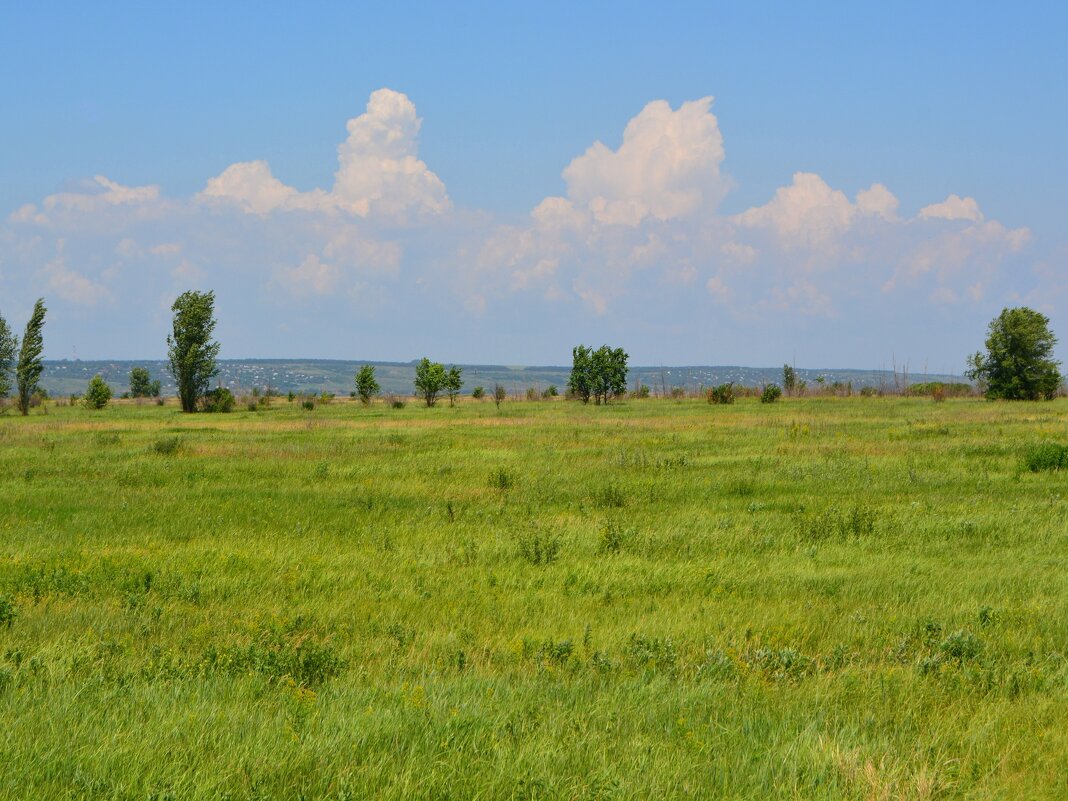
<point>673,246</point>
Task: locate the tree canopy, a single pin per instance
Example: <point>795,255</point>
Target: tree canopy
<point>598,374</point>
<point>366,384</point>
<point>30,366</point>
<point>430,379</point>
<point>9,344</point>
<point>1018,363</point>
<point>190,349</point>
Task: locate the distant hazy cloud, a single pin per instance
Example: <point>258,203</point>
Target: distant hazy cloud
<point>640,226</point>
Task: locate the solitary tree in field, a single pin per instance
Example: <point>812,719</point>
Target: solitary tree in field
<point>789,379</point>
<point>453,383</point>
<point>142,385</point>
<point>9,344</point>
<point>430,378</point>
<point>366,384</point>
<point>1018,363</point>
<point>599,374</point>
<point>30,366</point>
<point>190,349</point>
<point>97,394</point>
<point>499,394</point>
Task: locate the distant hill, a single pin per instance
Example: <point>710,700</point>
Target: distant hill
<point>327,375</point>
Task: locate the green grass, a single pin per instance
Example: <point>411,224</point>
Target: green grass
<point>824,598</point>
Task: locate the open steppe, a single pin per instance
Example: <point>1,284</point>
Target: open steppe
<point>820,598</point>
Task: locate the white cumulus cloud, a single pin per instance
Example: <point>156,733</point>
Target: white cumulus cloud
<point>667,167</point>
<point>379,171</point>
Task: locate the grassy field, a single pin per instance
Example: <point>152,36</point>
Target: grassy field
<point>821,598</point>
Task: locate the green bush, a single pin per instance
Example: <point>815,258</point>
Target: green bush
<point>219,399</point>
<point>724,393</point>
<point>97,394</point>
<point>1047,456</point>
<point>771,393</point>
<point>167,446</point>
<point>478,393</point>
<point>951,389</point>
<point>8,612</point>
<point>539,548</point>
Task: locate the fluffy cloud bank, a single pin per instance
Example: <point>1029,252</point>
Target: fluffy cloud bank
<point>379,172</point>
<point>639,226</point>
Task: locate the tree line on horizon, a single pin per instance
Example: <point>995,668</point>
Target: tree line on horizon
<point>1018,364</point>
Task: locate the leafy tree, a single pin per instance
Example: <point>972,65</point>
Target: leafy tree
<point>599,374</point>
<point>97,394</point>
<point>366,384</point>
<point>478,393</point>
<point>1018,363</point>
<point>30,366</point>
<point>142,385</point>
<point>789,379</point>
<point>580,382</point>
<point>499,394</point>
<point>430,378</point>
<point>453,383</point>
<point>610,373</point>
<point>191,352</point>
<point>9,344</point>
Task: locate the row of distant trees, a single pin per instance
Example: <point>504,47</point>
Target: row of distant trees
<point>1018,364</point>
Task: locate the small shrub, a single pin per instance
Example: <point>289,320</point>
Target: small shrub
<point>652,654</point>
<point>167,446</point>
<point>723,393</point>
<point>642,391</point>
<point>868,392</point>
<point>771,393</point>
<point>1046,456</point>
<point>308,404</point>
<point>97,394</point>
<point>538,547</point>
<point>278,652</point>
<point>8,612</point>
<point>218,400</point>
<point>610,497</point>
<point>857,521</point>
<point>501,479</point>
<point>499,394</point>
<point>478,393</point>
<point>613,537</point>
<point>532,394</point>
<point>780,664</point>
<point>717,665</point>
<point>550,654</point>
<point>551,391</point>
<point>960,647</point>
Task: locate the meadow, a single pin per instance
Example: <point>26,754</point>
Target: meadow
<point>822,598</point>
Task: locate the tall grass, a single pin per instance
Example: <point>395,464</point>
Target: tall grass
<point>820,598</point>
